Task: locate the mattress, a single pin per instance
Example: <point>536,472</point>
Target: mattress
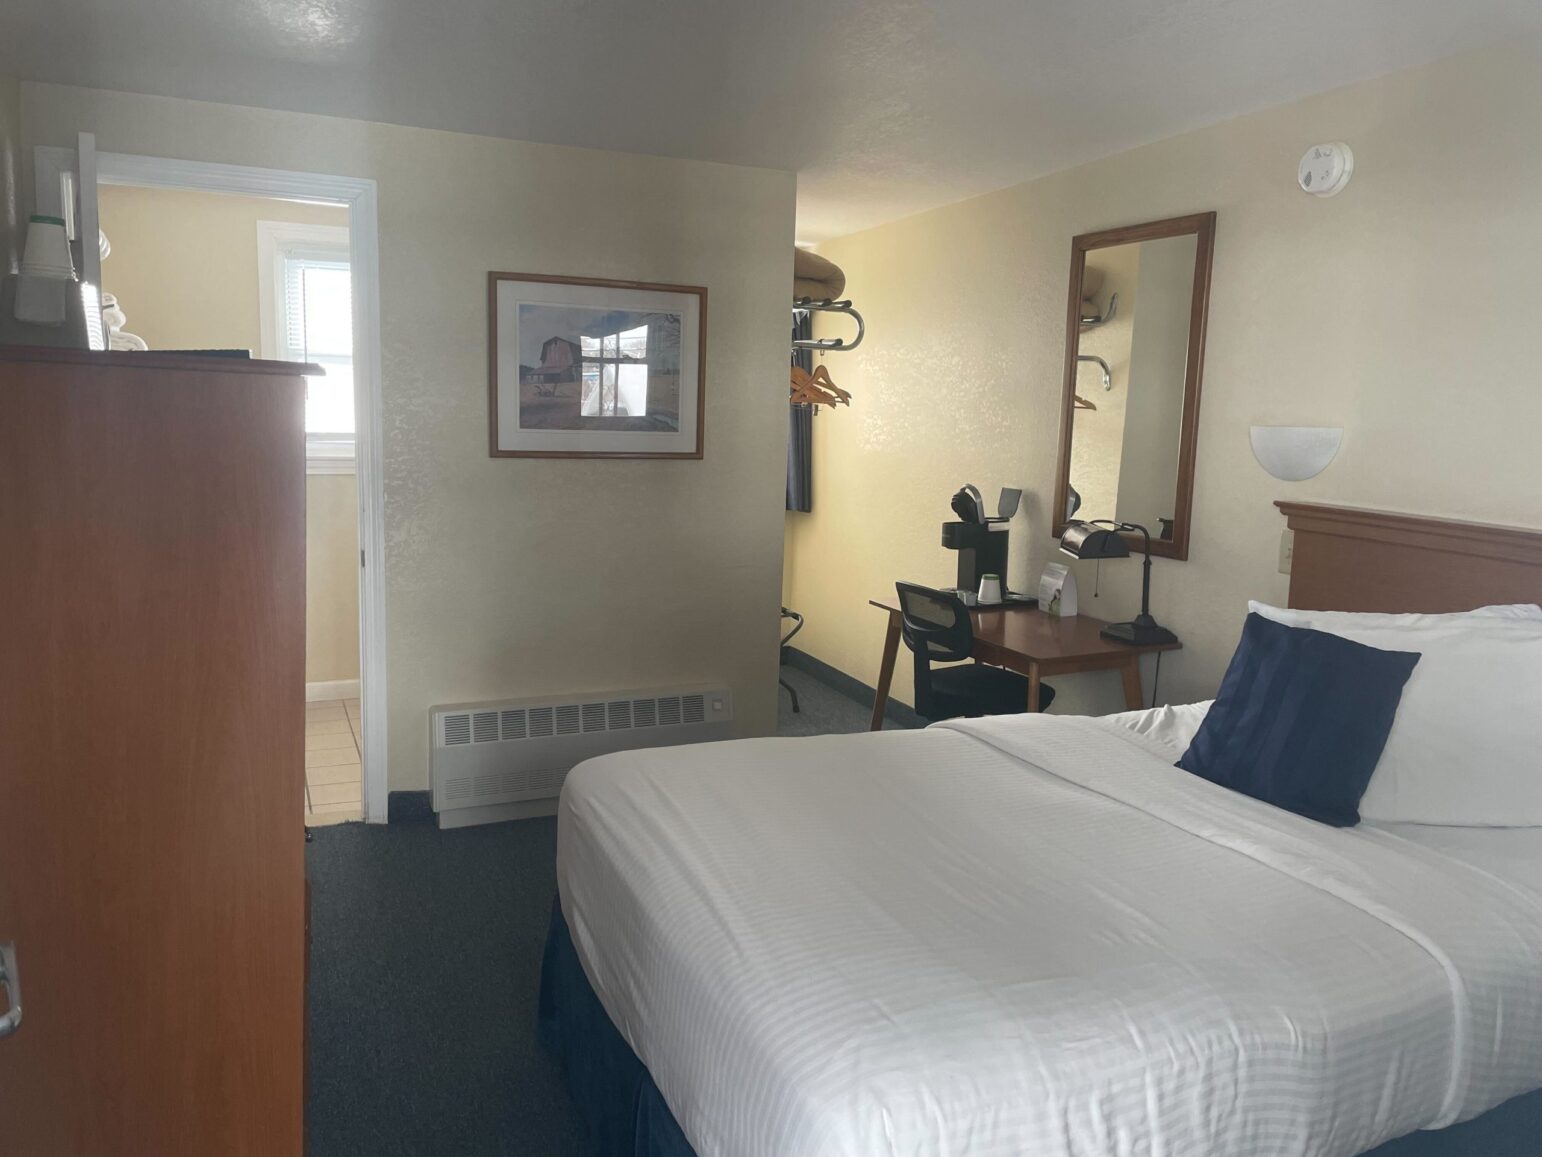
<point>1034,935</point>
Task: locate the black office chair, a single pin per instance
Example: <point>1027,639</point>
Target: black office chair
<point>936,628</point>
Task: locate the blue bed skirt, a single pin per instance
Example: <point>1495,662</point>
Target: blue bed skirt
<point>627,1116</point>
<point>625,1112</point>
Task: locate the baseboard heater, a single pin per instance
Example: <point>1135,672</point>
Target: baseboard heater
<point>505,761</point>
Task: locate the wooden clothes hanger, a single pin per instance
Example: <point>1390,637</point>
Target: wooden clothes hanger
<point>1082,403</point>
<point>808,389</point>
<point>803,390</point>
<point>821,376</point>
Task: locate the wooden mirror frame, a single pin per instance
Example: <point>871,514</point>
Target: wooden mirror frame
<point>1202,226</point>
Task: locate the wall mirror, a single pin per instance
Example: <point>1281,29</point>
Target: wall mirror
<point>1135,344</point>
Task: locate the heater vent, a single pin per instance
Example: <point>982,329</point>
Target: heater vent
<point>492,756</point>
<point>541,723</point>
<point>484,727</point>
<point>513,723</point>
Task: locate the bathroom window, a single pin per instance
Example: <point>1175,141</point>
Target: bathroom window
<point>307,316</point>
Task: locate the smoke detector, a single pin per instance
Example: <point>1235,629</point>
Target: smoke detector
<point>1326,169</point>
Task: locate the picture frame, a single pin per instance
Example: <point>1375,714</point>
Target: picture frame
<point>587,367</point>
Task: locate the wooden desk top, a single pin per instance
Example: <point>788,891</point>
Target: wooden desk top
<point>1034,634</point>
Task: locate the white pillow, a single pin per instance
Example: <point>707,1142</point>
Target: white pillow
<point>1331,621</point>
<point>1505,611</point>
<point>1175,725</point>
<point>1466,746</point>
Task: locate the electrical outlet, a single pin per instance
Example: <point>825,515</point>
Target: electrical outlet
<point>1287,549</point>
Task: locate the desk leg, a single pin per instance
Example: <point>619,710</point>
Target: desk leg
<point>1033,687</point>
<point>1133,699</point>
<point>891,642</point>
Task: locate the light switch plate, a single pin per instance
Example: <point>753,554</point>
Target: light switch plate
<point>1287,549</point>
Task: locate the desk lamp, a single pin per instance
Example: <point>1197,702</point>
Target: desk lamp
<point>1090,540</point>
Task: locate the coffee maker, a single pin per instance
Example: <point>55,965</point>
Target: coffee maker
<point>981,541</point>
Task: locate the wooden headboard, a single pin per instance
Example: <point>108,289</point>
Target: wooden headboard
<point>1369,560</point>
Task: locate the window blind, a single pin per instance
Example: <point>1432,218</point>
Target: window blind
<point>318,309</point>
<point>318,327</point>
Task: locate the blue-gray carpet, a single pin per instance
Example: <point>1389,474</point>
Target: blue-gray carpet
<point>425,952</point>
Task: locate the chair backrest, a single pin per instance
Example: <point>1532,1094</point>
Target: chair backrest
<point>935,624</point>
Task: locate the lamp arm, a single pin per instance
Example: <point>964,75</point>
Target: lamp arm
<point>1145,578</point>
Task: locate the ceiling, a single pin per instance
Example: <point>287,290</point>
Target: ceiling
<point>883,107</point>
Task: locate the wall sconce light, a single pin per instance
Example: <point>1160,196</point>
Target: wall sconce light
<point>1295,453</point>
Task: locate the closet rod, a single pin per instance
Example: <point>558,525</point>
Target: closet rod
<point>809,305</point>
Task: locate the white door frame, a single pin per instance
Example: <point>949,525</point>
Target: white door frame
<point>358,194</point>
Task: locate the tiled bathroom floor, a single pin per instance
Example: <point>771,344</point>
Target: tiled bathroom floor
<point>333,792</point>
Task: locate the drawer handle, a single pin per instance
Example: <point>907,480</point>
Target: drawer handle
<point>10,980</point>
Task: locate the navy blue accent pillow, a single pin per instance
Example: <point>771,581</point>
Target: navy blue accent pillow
<point>1300,719</point>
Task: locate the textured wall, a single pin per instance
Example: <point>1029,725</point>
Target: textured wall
<point>521,577</point>
<point>184,270</point>
<point>1390,309</point>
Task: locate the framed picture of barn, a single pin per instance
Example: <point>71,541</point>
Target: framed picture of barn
<point>586,368</point>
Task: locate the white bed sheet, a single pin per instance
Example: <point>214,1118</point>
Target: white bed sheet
<point>1033,935</point>
<point>1513,855</point>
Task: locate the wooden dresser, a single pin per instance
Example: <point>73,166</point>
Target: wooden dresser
<point>152,587</point>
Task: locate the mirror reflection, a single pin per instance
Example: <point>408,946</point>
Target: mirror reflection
<point>1132,356</point>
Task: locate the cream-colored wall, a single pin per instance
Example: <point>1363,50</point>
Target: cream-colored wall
<point>1390,310</point>
<point>10,173</point>
<point>331,578</point>
<point>520,576</point>
<point>184,269</point>
<point>184,263</point>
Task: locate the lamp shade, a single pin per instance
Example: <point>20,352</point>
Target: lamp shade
<point>1084,540</point>
<point>1295,453</point>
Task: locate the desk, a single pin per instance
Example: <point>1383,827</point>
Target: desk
<point>1032,643</point>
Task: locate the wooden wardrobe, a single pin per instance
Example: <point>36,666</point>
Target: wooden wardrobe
<point>152,673</point>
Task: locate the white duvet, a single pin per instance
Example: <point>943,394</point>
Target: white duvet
<point>1032,935</point>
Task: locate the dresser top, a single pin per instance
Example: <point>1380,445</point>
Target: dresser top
<point>121,360</point>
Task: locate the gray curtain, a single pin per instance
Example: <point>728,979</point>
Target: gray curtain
<point>800,429</point>
<point>800,458</point>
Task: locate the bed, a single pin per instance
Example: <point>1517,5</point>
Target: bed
<point>1035,935</point>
